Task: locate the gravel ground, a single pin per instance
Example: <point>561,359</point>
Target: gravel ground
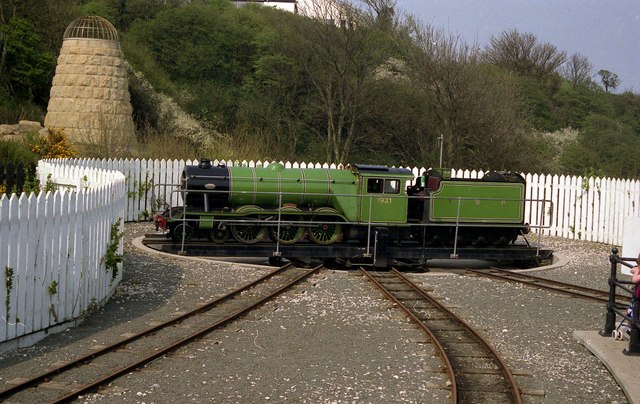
<point>334,338</point>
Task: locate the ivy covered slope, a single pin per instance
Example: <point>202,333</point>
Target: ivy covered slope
<point>376,87</point>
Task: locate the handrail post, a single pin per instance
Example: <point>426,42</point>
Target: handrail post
<point>455,239</point>
<point>610,320</point>
<point>277,252</point>
<point>368,252</point>
<point>184,222</point>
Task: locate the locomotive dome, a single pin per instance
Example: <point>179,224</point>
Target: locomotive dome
<point>92,27</point>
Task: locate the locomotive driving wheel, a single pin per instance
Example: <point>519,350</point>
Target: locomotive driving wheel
<point>325,233</point>
<point>219,233</point>
<point>288,233</point>
<point>249,233</point>
<point>182,232</point>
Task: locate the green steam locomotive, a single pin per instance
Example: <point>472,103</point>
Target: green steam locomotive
<point>251,205</point>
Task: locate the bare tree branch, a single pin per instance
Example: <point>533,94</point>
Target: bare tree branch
<point>523,54</point>
<point>577,69</point>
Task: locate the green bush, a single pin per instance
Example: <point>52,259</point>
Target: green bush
<point>18,154</point>
<point>12,151</point>
<point>13,110</point>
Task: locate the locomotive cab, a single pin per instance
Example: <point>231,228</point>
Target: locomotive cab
<point>383,194</point>
<point>419,192</point>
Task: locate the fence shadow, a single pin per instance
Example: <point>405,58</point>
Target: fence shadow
<point>14,176</point>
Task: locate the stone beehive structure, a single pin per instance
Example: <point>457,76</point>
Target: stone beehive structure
<point>89,96</point>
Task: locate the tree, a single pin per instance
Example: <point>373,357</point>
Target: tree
<point>207,49</point>
<point>273,102</point>
<point>31,33</point>
<point>340,63</point>
<point>475,107</point>
<point>49,18</point>
<point>609,80</point>
<point>384,13</point>
<point>197,42</point>
<point>577,69</point>
<point>604,146</point>
<point>523,54</point>
<point>26,68</point>
<point>107,9</point>
<point>132,10</point>
<point>572,105</point>
<point>627,108</point>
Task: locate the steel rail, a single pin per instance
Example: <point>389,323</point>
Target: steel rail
<point>549,284</point>
<point>434,340</point>
<point>509,378</point>
<point>34,381</point>
<point>107,349</point>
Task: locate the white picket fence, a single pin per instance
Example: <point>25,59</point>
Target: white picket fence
<point>577,208</point>
<point>52,250</point>
<point>574,207</point>
<point>53,245</point>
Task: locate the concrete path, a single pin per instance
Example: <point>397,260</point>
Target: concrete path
<point>625,369</point>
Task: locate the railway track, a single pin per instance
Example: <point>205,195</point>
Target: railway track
<point>582,292</point>
<point>88,372</point>
<point>475,370</point>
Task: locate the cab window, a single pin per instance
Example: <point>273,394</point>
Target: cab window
<point>382,186</point>
<point>392,187</point>
<point>374,185</point>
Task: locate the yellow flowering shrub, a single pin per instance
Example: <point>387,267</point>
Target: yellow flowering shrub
<point>54,144</point>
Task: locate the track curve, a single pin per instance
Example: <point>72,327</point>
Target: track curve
<point>476,371</point>
<point>549,284</point>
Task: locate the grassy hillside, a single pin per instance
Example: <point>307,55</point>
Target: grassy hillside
<point>258,83</point>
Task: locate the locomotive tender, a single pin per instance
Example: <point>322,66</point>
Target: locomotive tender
<point>331,206</point>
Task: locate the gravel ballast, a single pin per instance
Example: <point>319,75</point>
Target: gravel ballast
<point>334,338</point>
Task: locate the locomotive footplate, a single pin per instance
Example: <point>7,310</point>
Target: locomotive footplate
<point>381,255</point>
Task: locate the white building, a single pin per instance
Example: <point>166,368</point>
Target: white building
<point>287,5</point>
<point>324,9</point>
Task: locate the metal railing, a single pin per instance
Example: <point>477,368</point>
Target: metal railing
<point>277,221</point>
<point>616,309</point>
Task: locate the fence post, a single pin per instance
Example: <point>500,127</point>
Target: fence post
<point>610,321</point>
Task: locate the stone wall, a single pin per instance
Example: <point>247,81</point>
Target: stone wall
<point>89,97</point>
<point>17,131</point>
